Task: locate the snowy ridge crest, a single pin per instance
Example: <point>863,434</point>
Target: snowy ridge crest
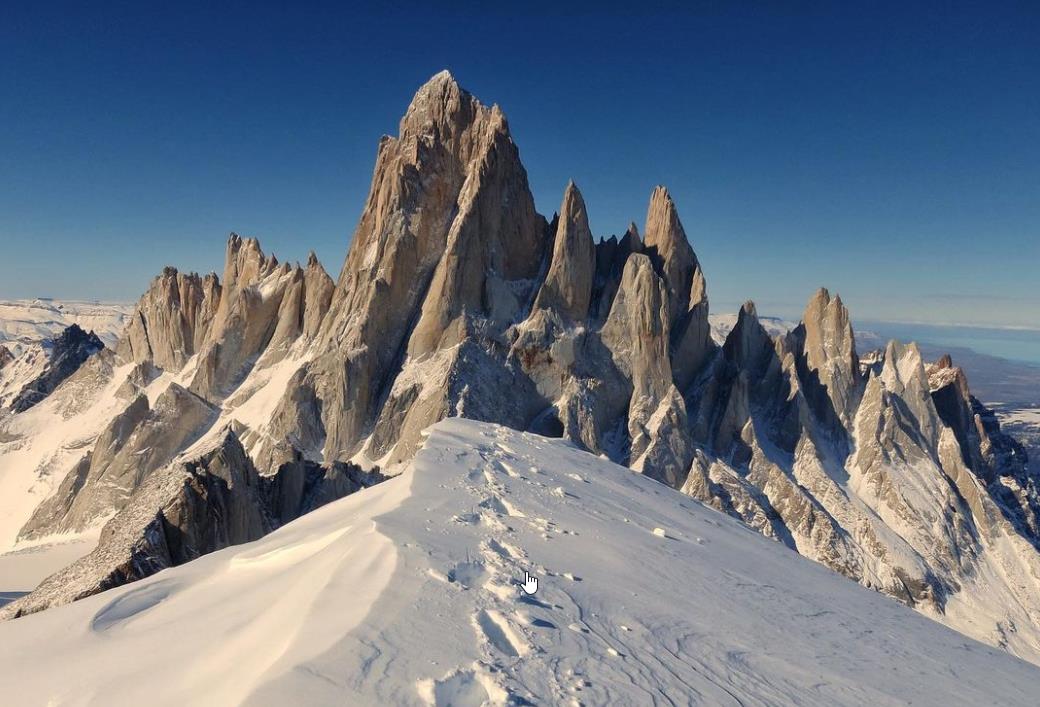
<point>644,595</point>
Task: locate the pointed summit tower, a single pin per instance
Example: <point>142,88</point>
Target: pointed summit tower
<point>670,251</point>
<point>449,239</point>
<point>568,286</point>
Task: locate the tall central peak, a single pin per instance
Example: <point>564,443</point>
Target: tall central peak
<point>442,104</point>
<point>421,175</point>
<point>449,239</point>
<point>828,362</point>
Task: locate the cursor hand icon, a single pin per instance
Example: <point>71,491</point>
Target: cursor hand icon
<point>530,585</point>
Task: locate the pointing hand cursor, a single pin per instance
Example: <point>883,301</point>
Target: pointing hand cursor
<point>530,585</point>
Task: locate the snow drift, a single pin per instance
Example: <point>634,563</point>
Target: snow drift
<point>405,593</point>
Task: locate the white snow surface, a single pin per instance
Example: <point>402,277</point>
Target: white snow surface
<point>405,594</point>
<point>24,322</point>
<point>22,570</point>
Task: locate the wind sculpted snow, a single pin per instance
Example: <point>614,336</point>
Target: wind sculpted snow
<point>405,593</point>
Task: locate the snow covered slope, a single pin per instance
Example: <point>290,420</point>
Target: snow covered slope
<point>38,446</point>
<point>24,322</point>
<point>404,594</point>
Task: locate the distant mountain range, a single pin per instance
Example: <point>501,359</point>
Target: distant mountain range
<point>26,322</point>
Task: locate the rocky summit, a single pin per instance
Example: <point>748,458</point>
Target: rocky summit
<point>233,404</point>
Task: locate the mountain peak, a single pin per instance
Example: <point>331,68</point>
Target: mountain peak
<point>442,77</point>
<point>441,83</point>
<point>69,350</point>
<point>661,193</point>
<point>632,241</point>
<point>441,109</point>
<point>245,261</point>
<point>568,284</point>
<point>829,348</point>
<point>748,344</point>
<point>822,295</point>
<point>458,299</point>
<point>670,250</point>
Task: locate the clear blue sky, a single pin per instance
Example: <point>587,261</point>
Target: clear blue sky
<point>888,151</point>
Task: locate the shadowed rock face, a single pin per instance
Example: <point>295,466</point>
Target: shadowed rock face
<point>997,460</point>
<point>136,443</point>
<point>67,353</point>
<point>191,508</point>
<point>611,256</point>
<point>457,298</point>
<point>670,251</point>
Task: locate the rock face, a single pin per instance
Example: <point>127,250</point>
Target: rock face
<point>190,508</point>
<point>249,399</point>
<point>6,356</point>
<point>138,441</point>
<point>260,310</point>
<point>670,251</point>
<point>193,508</point>
<point>827,360</point>
<point>171,319</point>
<point>675,261</point>
<point>67,353</point>
<point>567,289</point>
<point>636,333</point>
<point>449,244</point>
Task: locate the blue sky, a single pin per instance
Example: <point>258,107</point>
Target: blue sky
<point>889,152</point>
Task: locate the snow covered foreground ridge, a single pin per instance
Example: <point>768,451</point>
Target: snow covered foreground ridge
<point>273,387</point>
<point>405,594</point>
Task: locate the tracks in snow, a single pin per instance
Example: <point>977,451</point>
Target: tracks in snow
<point>508,625</point>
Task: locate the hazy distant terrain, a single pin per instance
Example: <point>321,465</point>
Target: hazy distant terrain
<point>27,321</point>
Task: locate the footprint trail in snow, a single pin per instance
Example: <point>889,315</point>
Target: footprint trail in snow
<point>407,593</point>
